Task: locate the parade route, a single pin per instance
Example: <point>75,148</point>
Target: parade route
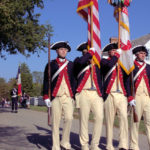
<point>28,129</point>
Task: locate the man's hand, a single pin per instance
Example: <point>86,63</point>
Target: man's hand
<point>48,102</point>
<point>92,49</point>
<point>119,51</point>
<point>132,103</point>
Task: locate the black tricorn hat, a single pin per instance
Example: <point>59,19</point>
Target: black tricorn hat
<point>82,46</point>
<point>110,46</point>
<point>61,44</point>
<point>139,48</point>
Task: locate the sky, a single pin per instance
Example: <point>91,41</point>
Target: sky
<point>69,26</point>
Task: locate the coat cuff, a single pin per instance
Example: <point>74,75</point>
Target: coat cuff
<point>45,97</point>
<point>117,55</point>
<point>130,98</point>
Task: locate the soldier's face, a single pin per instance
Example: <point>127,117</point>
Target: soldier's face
<point>141,55</point>
<point>84,52</point>
<point>111,52</point>
<point>62,52</point>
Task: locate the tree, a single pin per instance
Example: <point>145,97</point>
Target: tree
<point>24,68</point>
<point>37,83</point>
<point>37,89</point>
<point>20,31</point>
<point>10,84</point>
<point>26,79</point>
<point>27,84</point>
<point>4,92</point>
<point>37,77</point>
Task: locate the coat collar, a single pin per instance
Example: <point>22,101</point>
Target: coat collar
<point>139,64</point>
<point>60,60</point>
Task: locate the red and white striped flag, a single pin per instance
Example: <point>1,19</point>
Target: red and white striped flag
<point>19,82</point>
<point>84,10</point>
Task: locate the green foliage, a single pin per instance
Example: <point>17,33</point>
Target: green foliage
<point>26,79</point>
<point>37,83</point>
<point>37,77</point>
<point>39,108</point>
<point>10,86</point>
<point>20,31</point>
<point>27,85</point>
<point>3,88</point>
<point>37,89</point>
<point>31,83</point>
<point>24,68</point>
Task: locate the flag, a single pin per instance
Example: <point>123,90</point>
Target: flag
<point>85,9</point>
<point>19,82</point>
<point>126,58</point>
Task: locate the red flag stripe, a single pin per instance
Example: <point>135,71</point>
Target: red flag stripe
<point>85,11</point>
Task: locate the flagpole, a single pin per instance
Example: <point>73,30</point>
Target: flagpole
<point>92,62</point>
<point>119,20</point>
<point>49,79</point>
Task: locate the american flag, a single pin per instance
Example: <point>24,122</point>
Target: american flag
<point>88,9</point>
<point>19,82</point>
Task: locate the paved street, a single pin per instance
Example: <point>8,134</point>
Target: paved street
<point>29,130</point>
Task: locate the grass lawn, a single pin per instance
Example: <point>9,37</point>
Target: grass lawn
<point>142,128</point>
<point>38,108</point>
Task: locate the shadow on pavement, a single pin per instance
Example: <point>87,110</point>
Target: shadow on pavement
<point>46,140</point>
<point>5,109</point>
<point>40,139</point>
<point>11,137</point>
<point>102,143</point>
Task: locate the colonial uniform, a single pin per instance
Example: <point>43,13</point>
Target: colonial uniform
<point>62,95</point>
<point>141,78</point>
<point>14,98</point>
<point>116,102</point>
<point>88,100</point>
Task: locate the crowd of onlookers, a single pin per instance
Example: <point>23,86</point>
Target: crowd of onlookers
<point>5,102</point>
<point>23,101</point>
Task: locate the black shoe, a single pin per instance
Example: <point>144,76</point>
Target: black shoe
<point>16,111</point>
<point>12,111</point>
<point>122,149</point>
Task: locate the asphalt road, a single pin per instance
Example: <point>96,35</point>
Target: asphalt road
<point>28,130</point>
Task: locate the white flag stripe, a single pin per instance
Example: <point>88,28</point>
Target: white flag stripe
<point>96,46</point>
<point>96,30</point>
<point>95,12</point>
<point>19,79</point>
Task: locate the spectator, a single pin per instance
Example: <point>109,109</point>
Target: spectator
<point>28,101</point>
<point>3,102</point>
<point>14,96</point>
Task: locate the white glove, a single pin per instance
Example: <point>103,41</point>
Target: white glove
<point>119,51</point>
<point>92,49</point>
<point>48,102</point>
<point>132,103</point>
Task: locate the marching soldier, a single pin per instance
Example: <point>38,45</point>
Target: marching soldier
<point>14,98</point>
<point>115,102</point>
<point>88,100</point>
<point>141,79</point>
<point>62,94</point>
